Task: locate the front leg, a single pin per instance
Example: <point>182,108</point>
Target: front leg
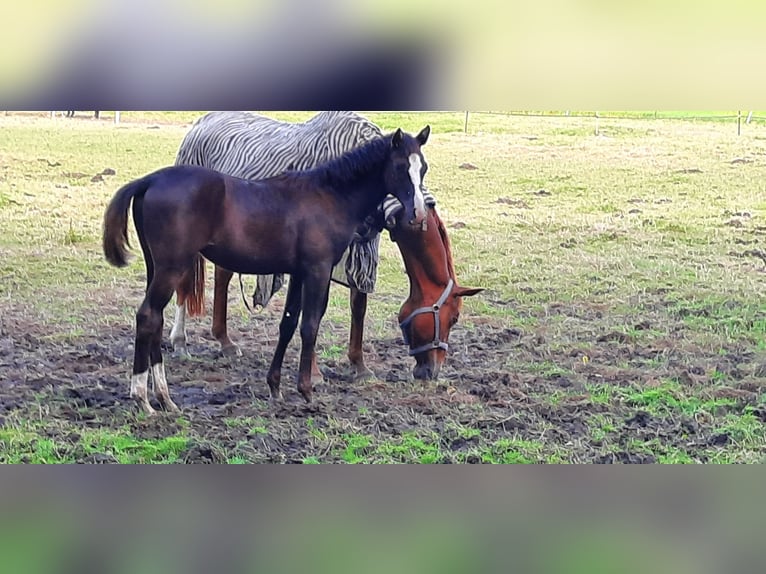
<point>315,297</point>
<point>286,331</point>
<point>359,370</point>
<point>316,374</point>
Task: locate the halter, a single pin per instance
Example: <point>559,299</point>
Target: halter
<point>436,343</point>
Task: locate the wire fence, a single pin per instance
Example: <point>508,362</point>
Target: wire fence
<point>737,118</point>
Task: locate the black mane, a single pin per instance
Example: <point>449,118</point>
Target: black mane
<point>355,163</point>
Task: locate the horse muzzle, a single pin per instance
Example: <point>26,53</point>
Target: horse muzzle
<point>427,371</point>
<point>419,220</point>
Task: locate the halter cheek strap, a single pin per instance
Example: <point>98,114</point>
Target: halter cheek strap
<point>436,343</point>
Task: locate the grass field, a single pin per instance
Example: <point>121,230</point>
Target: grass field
<point>623,318</point>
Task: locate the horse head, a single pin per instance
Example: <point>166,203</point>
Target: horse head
<point>435,301</point>
<point>405,171</point>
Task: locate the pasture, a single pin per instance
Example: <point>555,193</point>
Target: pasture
<point>623,319</point>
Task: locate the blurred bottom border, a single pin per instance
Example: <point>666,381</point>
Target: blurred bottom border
<point>403,519</point>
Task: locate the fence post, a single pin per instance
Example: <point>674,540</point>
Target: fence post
<point>739,123</point>
<point>465,126</point>
<point>116,118</point>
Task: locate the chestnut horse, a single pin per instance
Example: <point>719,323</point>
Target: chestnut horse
<point>435,300</point>
<point>297,223</point>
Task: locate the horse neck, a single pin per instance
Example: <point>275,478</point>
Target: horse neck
<point>426,257</point>
<point>364,193</point>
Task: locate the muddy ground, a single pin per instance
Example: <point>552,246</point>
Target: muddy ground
<point>482,410</point>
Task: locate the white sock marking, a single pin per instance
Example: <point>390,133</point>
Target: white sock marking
<point>139,384</point>
<point>159,381</point>
<point>178,333</point>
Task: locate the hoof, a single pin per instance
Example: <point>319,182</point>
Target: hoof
<point>181,352</point>
<point>361,373</point>
<point>306,394</point>
<point>146,408</point>
<point>317,379</point>
<point>231,351</point>
<point>168,405</point>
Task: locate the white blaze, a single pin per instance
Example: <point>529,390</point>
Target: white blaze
<point>415,167</point>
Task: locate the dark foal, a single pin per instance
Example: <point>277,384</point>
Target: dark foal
<point>435,300</point>
<point>297,223</point>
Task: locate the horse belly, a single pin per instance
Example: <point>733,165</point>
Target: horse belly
<point>250,263</point>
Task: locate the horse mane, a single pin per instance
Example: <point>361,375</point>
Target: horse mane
<point>445,240</point>
<point>350,165</point>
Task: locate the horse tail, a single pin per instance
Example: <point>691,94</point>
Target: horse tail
<point>115,240</point>
<point>191,289</point>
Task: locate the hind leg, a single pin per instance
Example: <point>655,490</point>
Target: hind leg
<point>159,381</point>
<point>359,370</point>
<point>146,320</point>
<point>220,304</point>
<point>178,332</point>
<point>148,337</point>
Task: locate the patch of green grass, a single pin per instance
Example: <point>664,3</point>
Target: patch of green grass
<point>410,448</point>
<point>671,455</point>
<point>333,352</point>
<point>600,394</point>
<point>254,425</point>
<point>29,448</point>
<point>468,432</point>
<point>130,450</point>
<point>670,398</point>
<point>356,447</point>
<point>601,426</point>
<point>517,451</point>
<point>27,444</point>
<point>745,430</point>
<point>549,369</point>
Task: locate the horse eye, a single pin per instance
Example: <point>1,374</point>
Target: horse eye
<point>454,320</point>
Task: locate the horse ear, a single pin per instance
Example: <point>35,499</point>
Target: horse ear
<point>422,137</point>
<point>468,291</point>
<point>397,139</point>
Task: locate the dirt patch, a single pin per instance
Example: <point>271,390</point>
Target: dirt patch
<point>557,413</point>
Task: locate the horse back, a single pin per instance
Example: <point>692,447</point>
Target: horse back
<point>184,198</point>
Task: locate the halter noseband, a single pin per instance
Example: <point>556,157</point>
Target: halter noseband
<point>436,343</point>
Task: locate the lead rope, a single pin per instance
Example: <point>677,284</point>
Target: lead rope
<point>242,290</point>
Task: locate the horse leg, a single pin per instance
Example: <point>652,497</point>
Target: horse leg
<point>178,332</point>
<point>355,353</point>
<point>220,303</point>
<point>287,328</point>
<point>314,302</point>
<point>316,374</point>
<point>160,382</point>
<point>147,348</point>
